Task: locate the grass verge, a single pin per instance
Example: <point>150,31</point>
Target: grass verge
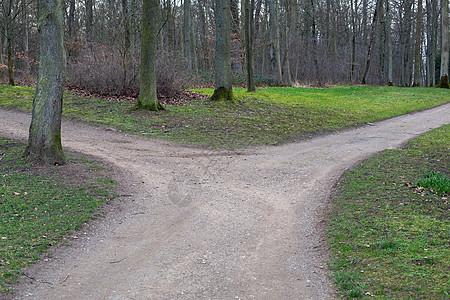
<point>40,205</point>
<point>269,116</point>
<point>390,235</point>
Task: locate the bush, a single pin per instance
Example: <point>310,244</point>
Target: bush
<point>100,70</point>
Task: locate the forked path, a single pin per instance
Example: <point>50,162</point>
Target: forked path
<point>207,224</point>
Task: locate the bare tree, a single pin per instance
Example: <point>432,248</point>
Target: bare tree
<point>249,31</point>
<point>150,25</point>
<point>371,41</point>
<point>44,142</point>
<point>443,82</point>
<point>388,31</point>
<point>417,56</point>
<point>275,56</point>
<point>223,75</point>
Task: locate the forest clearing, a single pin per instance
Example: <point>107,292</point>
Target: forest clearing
<point>217,149</point>
<point>236,197</point>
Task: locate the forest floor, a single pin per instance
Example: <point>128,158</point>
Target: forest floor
<point>198,223</point>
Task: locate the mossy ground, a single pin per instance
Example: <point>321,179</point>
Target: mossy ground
<point>389,237</point>
<point>41,205</point>
<point>269,116</point>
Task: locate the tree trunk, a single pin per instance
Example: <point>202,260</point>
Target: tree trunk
<point>236,46</point>
<point>26,60</point>
<point>187,33</point>
<point>435,25</point>
<point>275,56</point>
<point>89,20</point>
<point>249,29</point>
<point>314,40</point>
<point>286,40</point>
<point>150,25</point>
<point>9,35</point>
<point>444,82</point>
<point>388,43</point>
<point>372,37</point>
<point>71,20</point>
<point>353,52</point>
<point>127,42</point>
<point>417,56</point>
<point>222,60</point>
<point>44,142</point>
<point>431,41</point>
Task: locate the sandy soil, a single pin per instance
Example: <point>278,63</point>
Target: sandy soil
<point>209,224</point>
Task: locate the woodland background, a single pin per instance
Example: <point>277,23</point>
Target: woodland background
<point>296,42</point>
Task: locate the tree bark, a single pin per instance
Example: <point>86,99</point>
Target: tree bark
<point>222,60</point>
<point>127,42</point>
<point>9,35</point>
<point>432,25</point>
<point>372,36</point>
<point>417,56</point>
<point>71,20</point>
<point>150,25</point>
<point>44,142</point>
<point>249,31</point>
<point>275,56</point>
<point>353,42</point>
<point>444,82</point>
<point>89,20</point>
<point>187,33</point>
<point>388,43</point>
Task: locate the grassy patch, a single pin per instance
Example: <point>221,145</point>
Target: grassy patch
<point>390,237</point>
<point>269,116</point>
<point>39,205</point>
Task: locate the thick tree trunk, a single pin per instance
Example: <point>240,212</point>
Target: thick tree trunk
<point>222,60</point>
<point>249,28</point>
<point>150,25</point>
<point>444,82</point>
<point>44,142</point>
<point>417,56</point>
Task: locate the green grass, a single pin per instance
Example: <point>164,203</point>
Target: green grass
<point>40,205</point>
<point>436,182</point>
<point>269,116</point>
<point>390,238</point>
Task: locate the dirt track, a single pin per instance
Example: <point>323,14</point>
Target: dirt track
<point>205,224</point>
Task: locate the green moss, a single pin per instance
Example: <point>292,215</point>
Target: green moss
<point>150,105</point>
<point>443,83</point>
<point>223,94</point>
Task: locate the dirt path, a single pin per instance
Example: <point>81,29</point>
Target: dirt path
<point>205,224</point>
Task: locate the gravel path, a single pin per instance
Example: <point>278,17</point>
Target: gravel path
<point>209,224</point>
